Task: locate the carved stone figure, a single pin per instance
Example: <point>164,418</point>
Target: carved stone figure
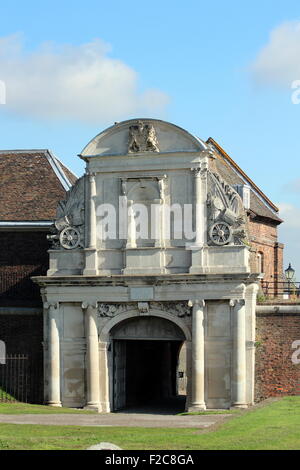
<point>68,228</point>
<point>142,138</point>
<point>181,309</point>
<point>226,217</point>
<point>111,310</point>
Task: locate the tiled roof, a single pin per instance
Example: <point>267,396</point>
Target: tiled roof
<point>32,182</point>
<point>260,204</point>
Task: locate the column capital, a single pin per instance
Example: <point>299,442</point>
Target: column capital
<point>204,168</point>
<point>89,304</point>
<point>195,302</point>
<point>48,305</point>
<point>196,170</point>
<point>238,303</point>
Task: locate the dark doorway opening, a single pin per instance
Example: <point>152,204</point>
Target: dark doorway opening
<point>145,376</point>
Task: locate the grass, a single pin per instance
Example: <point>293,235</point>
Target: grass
<point>273,426</point>
<point>17,408</point>
<point>5,395</point>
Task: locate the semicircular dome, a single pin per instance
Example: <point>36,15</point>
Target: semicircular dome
<point>142,135</point>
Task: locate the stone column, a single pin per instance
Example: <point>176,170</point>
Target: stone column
<point>198,400</point>
<point>198,207</point>
<point>200,183</point>
<point>239,354</point>
<point>54,398</point>
<point>131,239</point>
<point>91,232</point>
<point>160,215</point>
<point>91,241</point>
<point>251,294</point>
<point>123,211</point>
<point>92,356</point>
<point>199,255</point>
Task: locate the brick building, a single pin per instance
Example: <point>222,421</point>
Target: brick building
<point>32,183</point>
<point>263,219</point>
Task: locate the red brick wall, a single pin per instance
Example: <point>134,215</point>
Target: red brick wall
<point>22,255</point>
<point>276,374</point>
<point>263,237</point>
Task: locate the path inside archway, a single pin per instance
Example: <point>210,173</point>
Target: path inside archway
<point>146,374</point>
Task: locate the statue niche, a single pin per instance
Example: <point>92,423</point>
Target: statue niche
<point>143,199</point>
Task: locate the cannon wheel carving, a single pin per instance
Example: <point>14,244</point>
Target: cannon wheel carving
<point>220,233</point>
<point>69,238</point>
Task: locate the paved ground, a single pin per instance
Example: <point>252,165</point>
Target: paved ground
<point>117,419</point>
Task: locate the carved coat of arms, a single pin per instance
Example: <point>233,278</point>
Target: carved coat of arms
<point>142,138</point>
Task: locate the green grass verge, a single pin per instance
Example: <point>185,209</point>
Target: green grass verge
<point>275,426</point>
<point>5,395</point>
<point>18,408</point>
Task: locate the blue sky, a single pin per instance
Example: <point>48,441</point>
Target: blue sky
<point>219,69</point>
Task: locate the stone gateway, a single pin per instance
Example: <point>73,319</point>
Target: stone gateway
<point>149,293</point>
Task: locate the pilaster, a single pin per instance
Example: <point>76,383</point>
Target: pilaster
<point>239,354</point>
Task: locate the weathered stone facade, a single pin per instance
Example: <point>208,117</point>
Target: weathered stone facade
<point>108,285</point>
<point>101,295</point>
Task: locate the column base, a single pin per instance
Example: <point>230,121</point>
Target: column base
<point>90,272</point>
<point>91,262</point>
<point>93,407</point>
<point>105,407</point>
<point>196,407</point>
<point>56,404</point>
<point>241,406</point>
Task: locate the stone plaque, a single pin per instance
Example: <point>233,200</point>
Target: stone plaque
<point>141,293</point>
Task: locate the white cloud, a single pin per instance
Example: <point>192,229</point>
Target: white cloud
<point>278,62</point>
<point>72,82</point>
<point>289,235</point>
<point>292,186</point>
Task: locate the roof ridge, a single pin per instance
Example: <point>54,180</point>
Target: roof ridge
<point>243,174</point>
<point>58,164</point>
<point>23,151</point>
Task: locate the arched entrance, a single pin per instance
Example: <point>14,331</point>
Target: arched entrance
<point>145,363</point>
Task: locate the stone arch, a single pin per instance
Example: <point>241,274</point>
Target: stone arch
<point>104,335</point>
<point>130,381</point>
